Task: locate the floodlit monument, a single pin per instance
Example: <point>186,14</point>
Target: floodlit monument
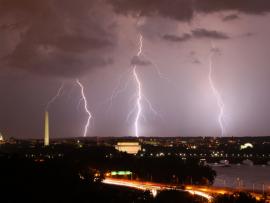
<point>46,130</point>
<point>128,147</point>
<point>1,138</point>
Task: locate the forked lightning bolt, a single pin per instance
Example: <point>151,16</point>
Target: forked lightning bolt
<point>216,93</point>
<point>139,96</point>
<point>139,91</point>
<point>138,102</point>
<point>119,89</point>
<point>55,96</point>
<point>85,108</point>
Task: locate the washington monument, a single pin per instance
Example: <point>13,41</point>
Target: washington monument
<point>46,130</point>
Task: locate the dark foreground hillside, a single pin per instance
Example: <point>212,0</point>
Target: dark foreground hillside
<point>73,180</point>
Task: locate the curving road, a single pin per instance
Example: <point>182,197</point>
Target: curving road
<point>203,191</point>
<point>153,187</point>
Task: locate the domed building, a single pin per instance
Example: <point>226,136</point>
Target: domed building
<point>246,145</point>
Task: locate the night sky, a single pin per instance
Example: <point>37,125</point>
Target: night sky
<point>48,44</point>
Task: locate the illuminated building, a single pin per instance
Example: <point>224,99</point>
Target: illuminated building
<point>46,130</point>
<point>128,147</point>
<point>1,139</point>
<point>245,146</point>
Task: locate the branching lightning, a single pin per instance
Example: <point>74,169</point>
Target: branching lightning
<point>139,97</point>
<point>58,93</point>
<point>85,107</point>
<point>157,69</point>
<point>217,95</point>
<point>139,90</point>
<point>118,89</point>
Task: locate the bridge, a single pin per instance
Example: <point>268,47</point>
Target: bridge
<point>207,192</point>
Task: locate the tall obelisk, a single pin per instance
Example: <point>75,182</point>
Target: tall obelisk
<point>46,132</point>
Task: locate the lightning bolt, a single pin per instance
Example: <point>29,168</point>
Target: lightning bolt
<point>139,96</point>
<point>55,96</point>
<point>85,108</point>
<point>217,95</point>
<point>119,89</point>
<point>157,69</point>
<point>139,90</point>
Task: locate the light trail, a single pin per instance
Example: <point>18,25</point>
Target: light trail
<point>55,96</point>
<point>200,193</point>
<point>85,107</point>
<point>207,192</point>
<point>140,185</point>
<point>217,95</point>
<point>124,183</point>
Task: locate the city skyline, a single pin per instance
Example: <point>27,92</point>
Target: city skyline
<point>181,68</point>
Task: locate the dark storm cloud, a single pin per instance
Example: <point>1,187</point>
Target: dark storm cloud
<point>174,38</point>
<point>176,9</point>
<point>245,6</point>
<point>197,34</point>
<point>183,10</point>
<point>212,34</point>
<point>57,37</point>
<point>230,17</point>
<point>139,61</point>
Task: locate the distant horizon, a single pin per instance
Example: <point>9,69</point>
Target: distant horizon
<point>131,137</point>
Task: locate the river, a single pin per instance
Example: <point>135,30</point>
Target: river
<point>255,177</point>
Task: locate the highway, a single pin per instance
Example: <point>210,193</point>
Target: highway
<point>153,187</point>
<point>207,192</point>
